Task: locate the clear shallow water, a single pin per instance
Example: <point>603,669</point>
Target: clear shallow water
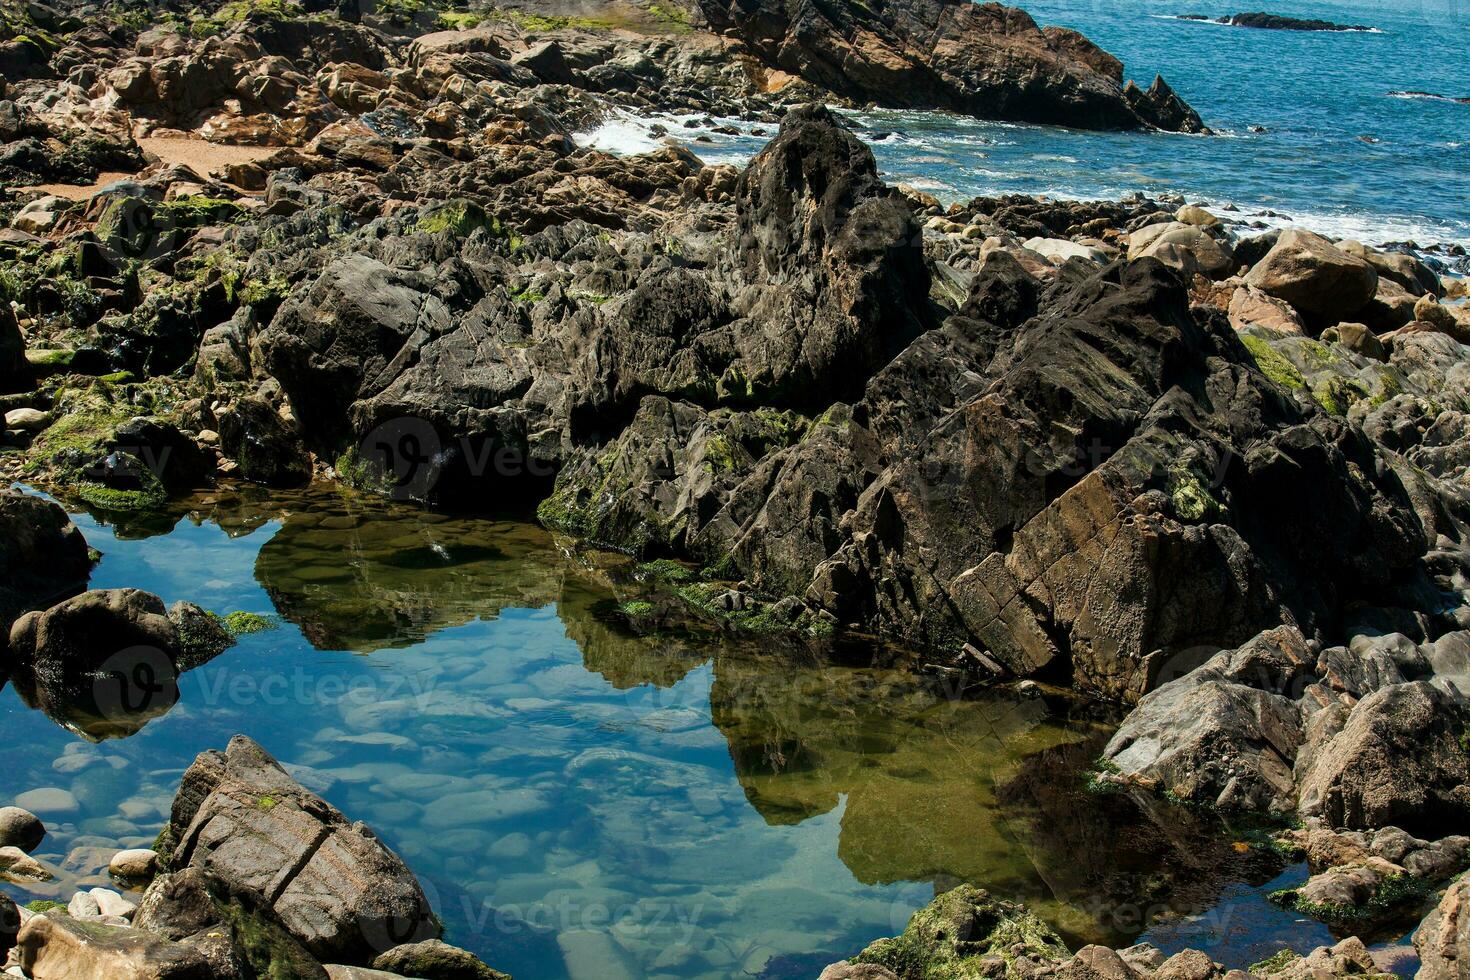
<point>1316,94</point>
<point>584,802</point>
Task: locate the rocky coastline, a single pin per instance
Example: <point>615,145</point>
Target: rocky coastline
<point>1213,473</point>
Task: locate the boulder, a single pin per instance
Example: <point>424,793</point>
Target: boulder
<point>1349,958</point>
<point>18,865</point>
<point>9,924</point>
<point>41,215</point>
<point>198,910</point>
<point>1060,250</point>
<point>1399,267</point>
<point>1357,338</point>
<point>178,905</point>
<point>106,662</point>
<point>435,960</point>
<point>58,947</point>
<point>1322,282</point>
<point>962,931</point>
<point>1185,247</point>
<point>1391,307</point>
<point>20,828</point>
<point>1399,759</point>
<point>1443,938</point>
<point>1225,734</point>
<point>330,883</point>
<point>1444,319</point>
<point>82,634</point>
<point>43,557</point>
<point>138,864</point>
<point>857,971</point>
<point>1192,214</point>
<point>546,61</point>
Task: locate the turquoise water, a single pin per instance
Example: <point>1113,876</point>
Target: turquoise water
<point>584,802</point>
<point>1316,94</point>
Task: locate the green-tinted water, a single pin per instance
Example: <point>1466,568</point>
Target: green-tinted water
<point>580,800</point>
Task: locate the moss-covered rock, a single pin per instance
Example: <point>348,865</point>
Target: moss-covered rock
<point>966,933</point>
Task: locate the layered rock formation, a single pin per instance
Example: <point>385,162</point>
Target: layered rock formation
<point>984,60</point>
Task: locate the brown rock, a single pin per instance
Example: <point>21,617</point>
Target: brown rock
<point>1320,280</point>
<point>1398,760</point>
<point>58,947</point>
<point>1250,307</point>
<point>1443,938</point>
<point>1357,338</point>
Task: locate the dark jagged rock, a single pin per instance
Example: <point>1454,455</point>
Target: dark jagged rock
<point>267,448</point>
<point>15,370</point>
<point>1112,513</point>
<point>9,923</point>
<point>43,557</point>
<point>1276,22</point>
<point>829,275</point>
<point>983,59</point>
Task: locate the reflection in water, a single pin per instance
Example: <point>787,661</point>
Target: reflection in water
<point>583,801</point>
<point>100,704</point>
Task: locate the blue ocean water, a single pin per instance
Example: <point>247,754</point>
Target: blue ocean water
<point>1338,153</point>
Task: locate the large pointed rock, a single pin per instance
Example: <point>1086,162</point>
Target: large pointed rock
<point>328,881</point>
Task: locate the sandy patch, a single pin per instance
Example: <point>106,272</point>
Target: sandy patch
<point>78,192</point>
<point>205,158</point>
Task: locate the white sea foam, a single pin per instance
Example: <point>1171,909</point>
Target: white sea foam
<point>621,133</point>
<point>917,142</point>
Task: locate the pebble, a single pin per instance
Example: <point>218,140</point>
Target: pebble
<point>15,863</point>
<point>20,828</point>
<point>112,904</point>
<point>48,800</point>
<point>27,419</point>
<point>134,865</point>
<point>83,906</point>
